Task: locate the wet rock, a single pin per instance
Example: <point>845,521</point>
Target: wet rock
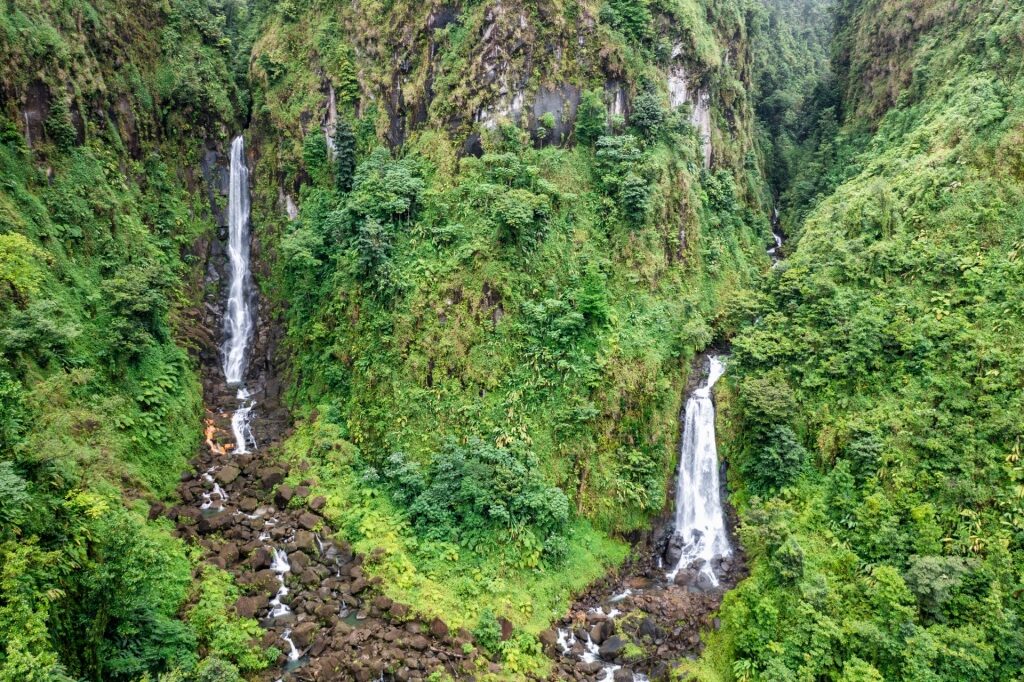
<point>283,495</point>
<point>612,647</point>
<point>227,474</point>
<point>597,633</point>
<point>308,521</point>
<point>623,675</point>
<point>302,634</point>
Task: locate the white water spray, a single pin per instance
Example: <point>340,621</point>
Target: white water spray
<point>280,566</point>
<point>700,521</point>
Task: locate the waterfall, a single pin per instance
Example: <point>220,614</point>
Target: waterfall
<point>700,521</point>
<point>238,320</point>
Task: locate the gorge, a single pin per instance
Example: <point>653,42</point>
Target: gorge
<point>614,340</point>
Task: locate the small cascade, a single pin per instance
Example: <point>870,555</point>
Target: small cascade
<point>238,319</point>
<point>293,653</point>
<point>281,567</point>
<point>700,530</point>
<point>591,652</point>
<point>208,501</point>
<point>240,423</point>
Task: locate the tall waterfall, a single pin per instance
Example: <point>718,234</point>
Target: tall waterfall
<point>700,521</point>
<point>238,319</point>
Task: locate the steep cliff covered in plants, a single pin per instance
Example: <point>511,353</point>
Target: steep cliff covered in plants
<point>107,108</point>
<point>501,230</point>
<point>875,402</point>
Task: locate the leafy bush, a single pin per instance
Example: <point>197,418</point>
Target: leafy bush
<point>648,115</point>
<point>591,118</point>
<point>470,492</point>
<point>344,156</point>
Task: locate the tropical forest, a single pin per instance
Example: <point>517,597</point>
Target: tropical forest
<point>512,340</point>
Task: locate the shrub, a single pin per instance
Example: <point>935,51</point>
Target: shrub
<point>648,115</point>
<point>591,118</point>
<point>344,156</point>
<point>471,492</point>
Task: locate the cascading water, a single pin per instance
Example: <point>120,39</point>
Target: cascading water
<point>700,521</point>
<point>775,251</point>
<point>238,320</point>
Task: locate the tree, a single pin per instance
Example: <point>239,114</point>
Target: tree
<point>344,156</point>
<point>591,118</point>
<point>648,115</point>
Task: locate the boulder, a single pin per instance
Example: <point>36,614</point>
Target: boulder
<point>648,628</point>
<point>215,522</point>
<point>246,607</point>
<point>248,504</point>
<point>283,495</point>
<point>303,540</point>
<point>318,503</point>
<point>623,675</point>
<point>270,476</point>
<point>548,637</point>
<point>612,647</point>
<point>299,561</point>
<point>227,474</point>
<point>302,634</point>
<point>260,558</point>
<point>438,628</point>
<point>308,520</point>
<point>506,628</point>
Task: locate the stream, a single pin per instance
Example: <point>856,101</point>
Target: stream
<point>665,598</point>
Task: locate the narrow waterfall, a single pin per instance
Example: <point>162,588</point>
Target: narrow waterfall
<point>238,318</point>
<point>775,252</point>
<point>700,522</point>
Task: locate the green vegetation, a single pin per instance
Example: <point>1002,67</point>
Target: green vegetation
<point>873,410</point>
<point>99,406</point>
<point>488,349</point>
<point>489,309</point>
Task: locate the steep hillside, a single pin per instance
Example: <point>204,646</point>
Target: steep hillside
<point>490,314</point>
<point>874,404</point>
<point>107,107</point>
